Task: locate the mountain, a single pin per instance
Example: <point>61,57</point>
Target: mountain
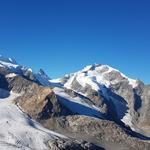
<point>118,97</point>
<point>96,108</point>
<point>13,68</point>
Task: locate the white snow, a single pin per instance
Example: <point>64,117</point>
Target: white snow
<point>120,106</point>
<point>9,65</point>
<point>20,132</point>
<point>127,119</point>
<point>69,82</point>
<point>10,59</point>
<point>11,75</point>
<point>13,67</point>
<point>123,112</point>
<point>96,76</point>
<point>84,80</point>
<point>56,82</point>
<point>77,104</point>
<point>61,92</point>
<point>42,78</point>
<point>132,82</point>
<point>92,77</point>
<point>87,68</point>
<point>29,69</point>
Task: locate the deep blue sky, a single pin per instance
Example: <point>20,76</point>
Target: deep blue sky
<point>62,36</point>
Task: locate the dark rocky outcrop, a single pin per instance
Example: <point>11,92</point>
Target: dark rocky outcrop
<point>96,97</point>
<point>103,133</point>
<point>70,144</point>
<point>37,101</point>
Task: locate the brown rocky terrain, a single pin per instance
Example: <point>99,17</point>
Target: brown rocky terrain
<point>42,104</point>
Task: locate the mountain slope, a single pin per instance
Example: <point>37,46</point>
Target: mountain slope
<point>119,97</point>
<point>95,107</point>
<point>24,100</point>
<point>20,131</point>
<point>13,68</point>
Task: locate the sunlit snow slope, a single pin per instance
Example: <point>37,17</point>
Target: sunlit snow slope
<point>17,131</point>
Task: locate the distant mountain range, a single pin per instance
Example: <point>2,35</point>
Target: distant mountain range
<point>96,108</point>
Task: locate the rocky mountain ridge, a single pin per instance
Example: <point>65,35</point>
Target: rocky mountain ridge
<point>95,108</point>
<point>117,96</point>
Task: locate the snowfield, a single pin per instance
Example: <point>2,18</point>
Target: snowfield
<point>77,105</point>
<point>95,76</point>
<point>17,131</point>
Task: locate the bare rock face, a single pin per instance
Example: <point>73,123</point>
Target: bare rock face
<point>145,110</point>
<point>34,104</point>
<point>4,71</point>
<point>70,144</point>
<point>92,99</point>
<point>91,94</point>
<point>103,133</point>
<point>19,84</point>
<point>138,102</point>
<point>143,105</point>
<point>37,101</point>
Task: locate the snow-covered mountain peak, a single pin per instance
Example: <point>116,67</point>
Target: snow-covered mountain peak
<point>42,77</point>
<point>8,62</point>
<point>90,67</point>
<point>15,69</point>
<point>100,68</point>
<point>42,72</point>
<point>96,75</point>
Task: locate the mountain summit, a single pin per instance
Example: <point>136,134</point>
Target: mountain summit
<point>113,92</point>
